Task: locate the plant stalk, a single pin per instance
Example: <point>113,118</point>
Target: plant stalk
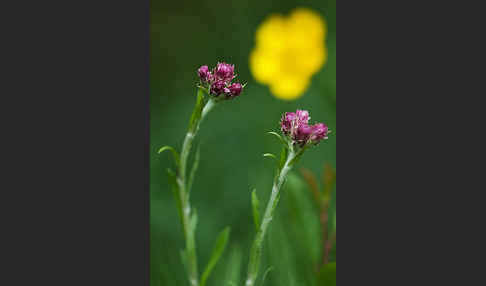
<point>256,249</point>
<point>189,232</point>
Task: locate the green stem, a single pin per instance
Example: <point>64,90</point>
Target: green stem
<point>256,249</point>
<point>189,232</point>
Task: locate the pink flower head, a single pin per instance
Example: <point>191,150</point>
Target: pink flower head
<point>219,80</point>
<point>302,116</point>
<point>319,132</point>
<point>204,74</point>
<point>287,122</point>
<point>234,89</point>
<point>217,87</point>
<point>296,127</point>
<point>224,71</point>
<point>291,122</point>
<point>303,133</point>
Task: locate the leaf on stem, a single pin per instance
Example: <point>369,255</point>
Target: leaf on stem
<point>265,274</point>
<point>174,153</point>
<point>196,114</point>
<point>195,165</point>
<point>279,137</point>
<point>270,155</point>
<point>218,250</point>
<point>175,189</point>
<point>233,266</point>
<point>255,203</point>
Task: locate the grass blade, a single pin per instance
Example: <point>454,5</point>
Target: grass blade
<point>218,250</point>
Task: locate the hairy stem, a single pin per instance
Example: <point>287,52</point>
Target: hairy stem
<point>189,232</point>
<point>256,249</point>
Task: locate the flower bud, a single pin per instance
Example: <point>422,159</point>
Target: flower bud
<point>204,74</point>
<point>217,87</point>
<point>303,133</point>
<point>296,127</point>
<point>319,132</point>
<point>224,71</point>
<point>219,81</point>
<point>286,122</point>
<point>302,116</point>
<point>234,89</point>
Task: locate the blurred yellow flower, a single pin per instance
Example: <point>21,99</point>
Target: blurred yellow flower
<point>289,51</point>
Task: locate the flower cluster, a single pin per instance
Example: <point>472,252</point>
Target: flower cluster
<point>289,50</point>
<point>295,126</point>
<point>218,81</point>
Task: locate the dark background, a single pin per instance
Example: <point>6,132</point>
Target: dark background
<point>183,36</point>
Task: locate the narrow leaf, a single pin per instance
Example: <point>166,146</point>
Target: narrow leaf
<point>175,190</point>
<point>174,153</point>
<point>196,114</point>
<point>172,176</point>
<point>218,250</point>
<point>195,165</point>
<point>233,267</point>
<point>255,203</point>
<point>265,274</point>
<point>270,155</point>
<point>279,137</point>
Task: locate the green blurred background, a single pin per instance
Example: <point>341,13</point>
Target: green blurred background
<point>184,35</point>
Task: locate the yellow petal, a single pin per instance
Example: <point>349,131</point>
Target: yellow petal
<point>308,60</point>
<point>289,87</point>
<point>264,65</point>
<point>306,50</point>
<point>271,34</point>
<point>309,23</point>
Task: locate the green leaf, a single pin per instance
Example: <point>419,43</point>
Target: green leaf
<point>218,250</point>
<point>233,266</point>
<point>196,114</point>
<point>306,224</point>
<point>174,153</point>
<point>279,138</point>
<point>255,203</point>
<point>265,274</point>
<point>172,176</point>
<point>270,155</point>
<point>175,190</point>
<point>195,165</point>
<point>327,275</point>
